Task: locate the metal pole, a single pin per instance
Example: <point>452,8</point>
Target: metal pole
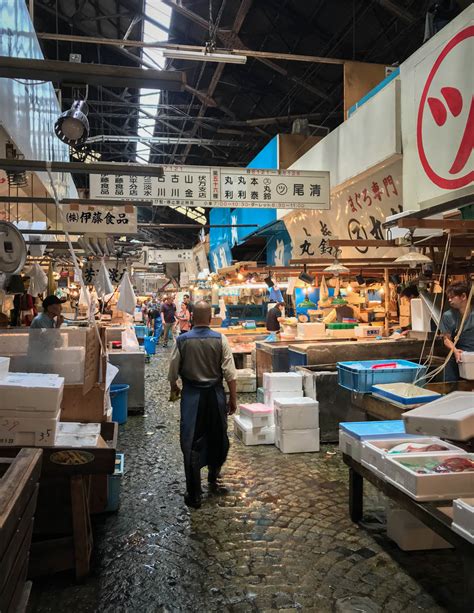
<point>387,300</point>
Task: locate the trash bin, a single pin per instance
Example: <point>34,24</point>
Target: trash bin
<point>149,343</point>
<point>119,399</point>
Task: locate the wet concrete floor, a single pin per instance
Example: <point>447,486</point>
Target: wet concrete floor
<point>279,540</point>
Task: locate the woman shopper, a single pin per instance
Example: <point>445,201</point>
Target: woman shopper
<point>184,319</point>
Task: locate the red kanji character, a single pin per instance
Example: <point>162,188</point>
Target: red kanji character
<point>350,202</point>
<point>389,181</point>
<point>376,191</point>
<point>357,197</point>
<point>366,198</point>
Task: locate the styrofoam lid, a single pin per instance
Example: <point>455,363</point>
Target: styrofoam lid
<point>299,400</point>
<point>373,429</point>
<point>256,407</point>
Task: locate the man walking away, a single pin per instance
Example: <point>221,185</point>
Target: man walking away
<point>168,318</point>
<point>202,358</point>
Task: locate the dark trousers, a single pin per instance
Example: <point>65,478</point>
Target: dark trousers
<point>210,442</point>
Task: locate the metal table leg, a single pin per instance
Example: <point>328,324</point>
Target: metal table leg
<point>356,495</point>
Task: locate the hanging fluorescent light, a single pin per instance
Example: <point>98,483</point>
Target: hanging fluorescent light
<point>413,258</point>
<point>204,56</point>
<point>336,268</point>
<point>72,127</point>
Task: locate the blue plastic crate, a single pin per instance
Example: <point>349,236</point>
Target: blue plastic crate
<point>360,376</point>
<point>140,331</point>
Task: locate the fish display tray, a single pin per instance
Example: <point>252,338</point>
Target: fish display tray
<point>375,451</point>
<point>404,394</point>
<point>400,471</point>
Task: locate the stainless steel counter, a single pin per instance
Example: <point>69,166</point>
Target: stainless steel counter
<point>131,365</point>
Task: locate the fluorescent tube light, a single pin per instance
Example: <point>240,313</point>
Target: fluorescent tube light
<point>202,56</point>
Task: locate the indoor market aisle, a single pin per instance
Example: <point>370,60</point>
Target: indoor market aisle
<point>281,539</point>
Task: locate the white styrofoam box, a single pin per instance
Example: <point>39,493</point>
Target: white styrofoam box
<point>400,470</point>
<point>243,373</point>
<point>258,414</point>
<point>368,331</point>
<point>75,336</point>
<point>4,367</point>
<point>463,518</point>
<point>451,416</point>
<point>282,381</point>
<point>310,330</point>
<point>410,534</point>
<point>297,414</point>
<point>270,397</point>
<point>78,428</point>
<point>73,374</point>
<point>12,344</point>
<point>466,366</point>
<point>297,441</point>
<point>21,431</point>
<point>249,435</point>
<point>31,392</point>
<point>374,451</point>
<point>420,315</point>
<point>69,355</point>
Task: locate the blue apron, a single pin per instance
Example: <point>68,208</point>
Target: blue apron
<point>203,406</point>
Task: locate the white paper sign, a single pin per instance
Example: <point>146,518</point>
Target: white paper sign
<point>357,213</point>
<point>219,187</point>
<point>438,116</point>
<point>88,219</point>
<point>169,256</point>
<point>115,268</point>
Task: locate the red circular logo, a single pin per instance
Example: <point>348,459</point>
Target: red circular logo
<point>438,108</point>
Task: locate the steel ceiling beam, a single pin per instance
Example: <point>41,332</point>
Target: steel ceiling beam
<point>115,168</point>
<point>163,140</point>
<point>401,12</point>
<point>118,42</point>
<point>90,74</point>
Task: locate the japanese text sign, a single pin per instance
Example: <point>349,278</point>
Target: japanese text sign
<point>87,219</point>
<point>168,256</point>
<point>219,187</point>
<point>116,269</point>
<point>358,212</point>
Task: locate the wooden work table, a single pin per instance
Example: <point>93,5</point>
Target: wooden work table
<point>62,535</point>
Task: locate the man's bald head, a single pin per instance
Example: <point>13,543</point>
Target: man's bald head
<point>202,313</point>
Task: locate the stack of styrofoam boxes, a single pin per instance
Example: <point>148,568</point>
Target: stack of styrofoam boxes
<point>30,408</point>
<point>281,385</point>
<point>255,424</point>
<point>463,518</point>
<point>296,425</point>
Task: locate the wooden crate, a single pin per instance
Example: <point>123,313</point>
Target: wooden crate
<point>19,475</point>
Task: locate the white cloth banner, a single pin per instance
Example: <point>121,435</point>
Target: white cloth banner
<point>102,282</point>
<point>127,300</point>
<point>357,212</point>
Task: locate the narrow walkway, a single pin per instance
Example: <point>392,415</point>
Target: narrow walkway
<point>280,539</point>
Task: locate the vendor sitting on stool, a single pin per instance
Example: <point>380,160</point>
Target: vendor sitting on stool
<point>458,294</point>
<point>273,325</point>
<point>51,316</point>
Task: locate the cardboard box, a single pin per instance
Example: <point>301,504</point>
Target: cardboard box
<point>282,382</point>
<point>297,414</point>
<point>297,441</point>
<point>84,406</point>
